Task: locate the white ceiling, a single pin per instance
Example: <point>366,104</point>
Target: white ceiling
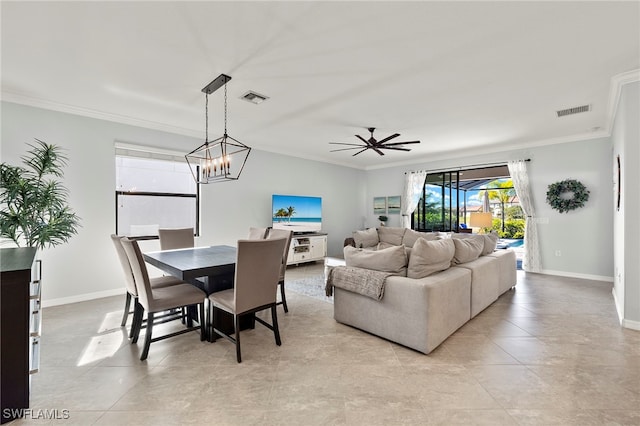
<point>459,76</point>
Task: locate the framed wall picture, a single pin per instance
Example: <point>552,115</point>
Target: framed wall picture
<point>393,204</point>
<point>379,205</point>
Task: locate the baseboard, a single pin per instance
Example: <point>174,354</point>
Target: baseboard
<point>576,275</point>
<point>633,325</point>
<point>82,297</point>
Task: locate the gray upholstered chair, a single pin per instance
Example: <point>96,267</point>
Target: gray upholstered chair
<point>256,281</point>
<point>257,233</point>
<point>132,292</point>
<point>176,238</point>
<point>275,234</point>
<point>157,300</point>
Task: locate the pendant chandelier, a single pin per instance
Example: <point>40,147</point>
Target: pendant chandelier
<point>221,159</point>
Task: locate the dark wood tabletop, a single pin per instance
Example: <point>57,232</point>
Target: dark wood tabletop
<point>191,263</point>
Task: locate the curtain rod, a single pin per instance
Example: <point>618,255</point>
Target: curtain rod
<point>502,163</point>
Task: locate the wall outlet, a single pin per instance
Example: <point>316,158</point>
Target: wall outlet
<point>558,253</point>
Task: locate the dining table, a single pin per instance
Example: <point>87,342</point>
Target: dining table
<point>211,269</point>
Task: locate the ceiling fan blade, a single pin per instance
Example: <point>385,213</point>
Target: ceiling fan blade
<point>364,140</point>
<point>395,148</point>
<point>346,149</point>
<point>362,150</point>
<point>401,143</point>
<point>395,135</point>
<point>377,150</point>
<point>341,143</point>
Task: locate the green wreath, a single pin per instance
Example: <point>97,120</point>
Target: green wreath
<point>569,186</point>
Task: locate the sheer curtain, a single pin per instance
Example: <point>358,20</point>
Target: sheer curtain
<point>413,184</point>
<point>518,171</point>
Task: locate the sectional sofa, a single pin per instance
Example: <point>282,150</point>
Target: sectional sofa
<point>437,282</point>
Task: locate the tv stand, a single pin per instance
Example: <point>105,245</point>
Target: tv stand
<point>307,248</point>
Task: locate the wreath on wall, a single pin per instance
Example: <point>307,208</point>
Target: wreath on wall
<point>567,195</point>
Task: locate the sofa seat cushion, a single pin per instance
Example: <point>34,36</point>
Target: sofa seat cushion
<point>507,267</point>
<point>428,257</point>
<point>484,282</point>
<point>467,249</point>
<point>391,234</point>
<point>392,259</point>
<point>366,238</point>
<point>410,237</point>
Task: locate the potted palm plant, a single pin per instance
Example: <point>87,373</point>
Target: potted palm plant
<point>34,207</point>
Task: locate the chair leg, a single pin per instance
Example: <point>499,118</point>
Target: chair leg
<point>138,313</point>
<point>147,338</point>
<point>192,313</point>
<point>203,324</point>
<point>127,304</point>
<point>237,326</point>
<point>274,321</point>
<point>211,335</point>
<point>284,299</point>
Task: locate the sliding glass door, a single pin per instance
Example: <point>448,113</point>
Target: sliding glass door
<point>438,208</point>
<point>449,196</point>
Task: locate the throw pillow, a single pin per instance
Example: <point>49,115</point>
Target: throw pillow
<point>467,249</point>
<point>490,242</point>
<point>410,237</point>
<point>382,245</point>
<point>428,257</point>
<point>366,238</point>
<point>392,235</point>
<point>392,259</point>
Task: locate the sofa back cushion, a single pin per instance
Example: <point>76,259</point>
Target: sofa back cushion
<point>392,259</point>
<point>410,237</point>
<point>391,234</point>
<point>428,257</point>
<point>490,242</point>
<point>467,249</point>
<point>366,238</point>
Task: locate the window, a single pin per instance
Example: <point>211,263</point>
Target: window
<point>449,196</point>
<point>154,191</point>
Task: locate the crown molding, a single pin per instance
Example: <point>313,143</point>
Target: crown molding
<point>501,148</point>
<point>617,82</point>
<point>100,115</point>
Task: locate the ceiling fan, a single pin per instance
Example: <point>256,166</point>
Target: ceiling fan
<point>373,144</point>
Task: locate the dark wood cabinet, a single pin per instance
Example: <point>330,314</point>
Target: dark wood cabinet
<point>17,334</point>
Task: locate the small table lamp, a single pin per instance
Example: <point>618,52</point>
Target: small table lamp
<point>480,220</point>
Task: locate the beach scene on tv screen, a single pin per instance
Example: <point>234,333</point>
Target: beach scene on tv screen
<point>297,213</point>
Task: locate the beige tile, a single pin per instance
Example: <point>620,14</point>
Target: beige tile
<point>549,352</point>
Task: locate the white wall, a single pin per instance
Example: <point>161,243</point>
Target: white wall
<point>626,143</point>
<point>584,236</point>
<point>88,267</point>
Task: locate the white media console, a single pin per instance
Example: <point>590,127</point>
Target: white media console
<point>307,248</point>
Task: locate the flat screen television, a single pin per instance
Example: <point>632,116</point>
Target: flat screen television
<point>301,214</point>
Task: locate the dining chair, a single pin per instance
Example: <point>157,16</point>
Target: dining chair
<point>256,280</point>
<point>275,234</point>
<point>157,300</point>
<point>176,238</point>
<point>257,233</point>
<point>130,286</point>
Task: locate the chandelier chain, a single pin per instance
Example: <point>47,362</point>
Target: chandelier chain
<point>225,109</point>
<point>206,118</point>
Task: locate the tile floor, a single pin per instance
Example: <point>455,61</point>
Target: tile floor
<point>550,352</point>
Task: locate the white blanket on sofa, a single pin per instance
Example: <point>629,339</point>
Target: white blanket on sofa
<point>358,280</point>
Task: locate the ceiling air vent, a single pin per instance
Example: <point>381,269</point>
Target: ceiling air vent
<point>253,97</point>
<point>574,110</point>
